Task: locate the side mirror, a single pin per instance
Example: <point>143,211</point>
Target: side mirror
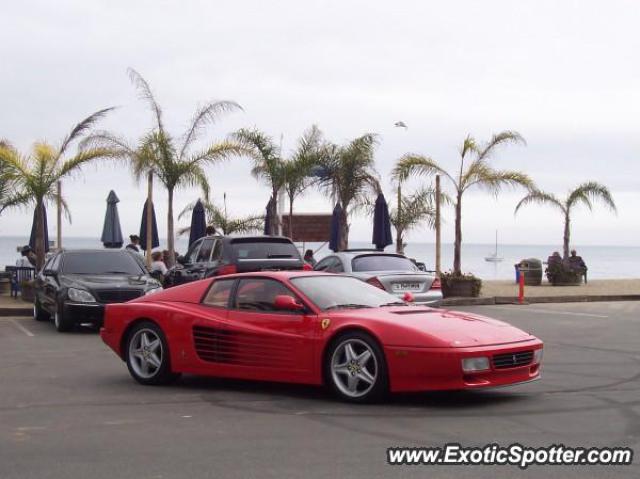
<point>285,302</point>
<point>408,297</point>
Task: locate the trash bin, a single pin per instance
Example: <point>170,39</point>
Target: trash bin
<point>532,270</point>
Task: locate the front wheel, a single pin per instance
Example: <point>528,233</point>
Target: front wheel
<point>61,321</point>
<point>148,355</point>
<point>40,314</point>
<point>356,368</point>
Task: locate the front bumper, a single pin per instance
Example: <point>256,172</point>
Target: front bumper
<point>432,369</point>
<point>430,298</point>
<point>84,312</point>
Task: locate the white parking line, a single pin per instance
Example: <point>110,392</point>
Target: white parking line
<point>550,311</point>
<point>21,328</point>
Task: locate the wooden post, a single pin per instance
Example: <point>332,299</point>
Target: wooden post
<point>149,244</point>
<point>437,225</point>
<point>59,205</point>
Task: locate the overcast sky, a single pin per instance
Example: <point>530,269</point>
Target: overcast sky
<point>564,74</point>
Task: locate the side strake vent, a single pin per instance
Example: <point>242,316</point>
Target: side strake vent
<point>216,345</point>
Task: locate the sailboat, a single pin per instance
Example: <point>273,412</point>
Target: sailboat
<point>494,258</point>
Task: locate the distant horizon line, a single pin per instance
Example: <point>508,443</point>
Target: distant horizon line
<point>553,245</point>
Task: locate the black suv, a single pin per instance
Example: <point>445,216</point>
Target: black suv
<point>74,285</point>
<point>220,255</point>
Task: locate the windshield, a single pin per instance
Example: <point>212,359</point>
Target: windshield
<point>335,292</point>
<point>100,262</point>
<point>382,262</point>
<point>264,249</point>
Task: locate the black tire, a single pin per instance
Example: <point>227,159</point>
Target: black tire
<point>40,314</point>
<point>62,323</point>
<point>360,341</point>
<point>161,374</point>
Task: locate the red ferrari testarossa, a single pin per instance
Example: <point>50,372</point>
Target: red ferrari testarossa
<point>315,328</point>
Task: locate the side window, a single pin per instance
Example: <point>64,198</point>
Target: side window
<point>193,252</point>
<point>219,293</point>
<point>204,255</point>
<point>336,266</point>
<point>217,251</point>
<point>53,263</point>
<point>324,264</point>
<point>259,294</point>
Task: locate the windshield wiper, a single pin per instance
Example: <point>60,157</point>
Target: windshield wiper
<point>117,272</point>
<point>348,305</point>
<point>394,303</point>
<point>270,256</point>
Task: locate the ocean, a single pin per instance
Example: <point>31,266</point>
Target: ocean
<point>604,262</point>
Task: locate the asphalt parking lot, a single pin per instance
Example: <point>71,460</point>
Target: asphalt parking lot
<point>69,409</point>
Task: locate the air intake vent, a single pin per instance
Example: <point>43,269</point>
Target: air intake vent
<point>512,360</point>
<point>413,311</point>
<point>217,345</point>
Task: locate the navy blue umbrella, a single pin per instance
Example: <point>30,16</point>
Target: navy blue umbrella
<point>334,239</point>
<point>155,241</point>
<point>267,218</point>
<point>32,238</point>
<point>111,232</point>
<point>381,224</point>
<point>198,223</point>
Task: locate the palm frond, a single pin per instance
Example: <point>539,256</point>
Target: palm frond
<point>417,165</point>
<point>83,127</point>
<point>494,180</point>
<point>203,116</point>
<point>588,192</point>
<point>498,139</point>
<point>144,90</point>
<point>541,198</point>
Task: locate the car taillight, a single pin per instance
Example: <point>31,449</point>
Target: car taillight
<point>375,282</point>
<point>436,284</point>
<point>307,267</point>
<point>227,269</point>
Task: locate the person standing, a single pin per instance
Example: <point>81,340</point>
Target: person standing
<point>134,245</point>
<point>27,258</point>
<point>308,257</point>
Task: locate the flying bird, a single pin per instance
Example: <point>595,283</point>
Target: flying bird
<point>401,124</point>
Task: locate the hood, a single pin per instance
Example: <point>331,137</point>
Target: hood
<point>428,327</point>
<point>102,281</point>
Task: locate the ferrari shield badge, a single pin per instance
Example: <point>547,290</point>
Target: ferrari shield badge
<point>325,323</point>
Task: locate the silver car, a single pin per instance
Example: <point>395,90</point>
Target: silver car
<point>392,272</point>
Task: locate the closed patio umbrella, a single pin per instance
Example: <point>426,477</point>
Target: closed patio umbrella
<point>32,238</point>
<point>111,231</point>
<point>198,223</point>
<point>155,241</point>
<point>381,224</point>
<point>334,239</point>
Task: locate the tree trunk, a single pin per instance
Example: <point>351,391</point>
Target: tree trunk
<point>40,247</point>
<point>567,236</point>
<point>274,213</point>
<point>399,241</point>
<point>291,217</point>
<point>343,244</point>
<point>458,240</point>
<point>170,239</point>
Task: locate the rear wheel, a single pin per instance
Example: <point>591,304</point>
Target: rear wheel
<point>147,355</point>
<point>356,368</point>
<point>40,314</point>
<point>61,321</point>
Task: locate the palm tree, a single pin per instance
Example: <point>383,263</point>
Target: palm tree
<point>9,195</point>
<point>36,174</point>
<point>217,217</point>
<point>583,194</point>
<point>268,166</point>
<point>415,209</point>
<point>169,159</point>
<point>298,167</point>
<point>349,175</point>
<point>474,171</point>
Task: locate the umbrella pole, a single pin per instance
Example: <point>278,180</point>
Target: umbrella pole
<point>437,224</point>
<point>149,244</point>
<point>59,205</point>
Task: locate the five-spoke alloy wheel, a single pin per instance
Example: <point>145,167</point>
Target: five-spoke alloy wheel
<point>148,355</point>
<point>356,368</point>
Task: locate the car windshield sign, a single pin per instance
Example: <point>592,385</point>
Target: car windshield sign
<point>97,262</point>
<point>342,292</point>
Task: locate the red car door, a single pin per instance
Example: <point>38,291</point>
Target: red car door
<point>261,342</point>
